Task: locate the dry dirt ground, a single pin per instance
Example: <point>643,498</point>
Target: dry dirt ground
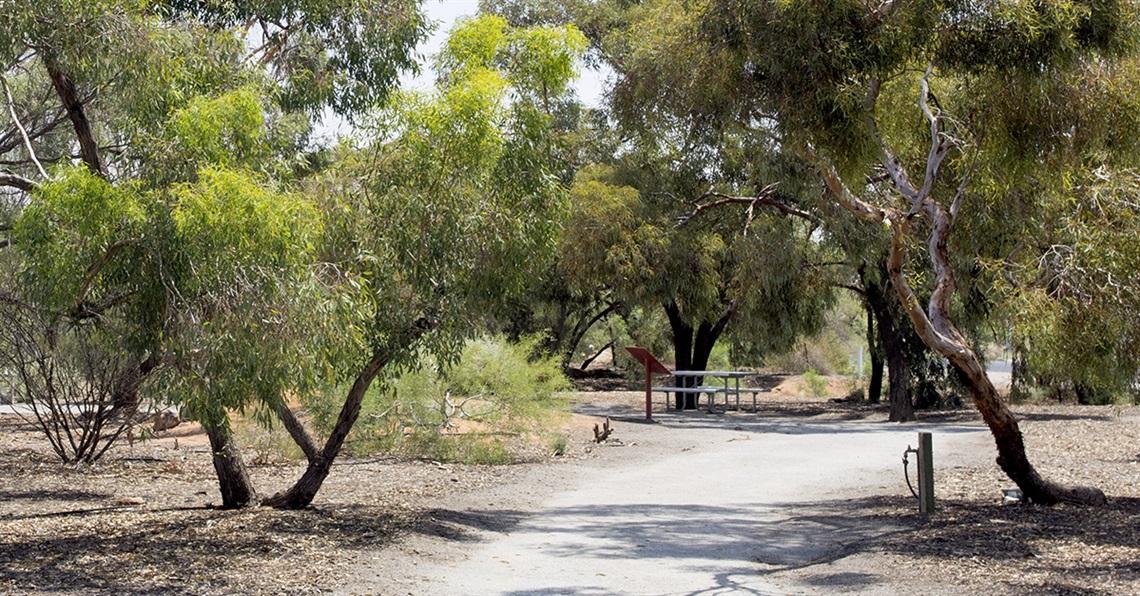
<point>141,521</point>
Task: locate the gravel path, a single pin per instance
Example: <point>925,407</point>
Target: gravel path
<point>693,503</point>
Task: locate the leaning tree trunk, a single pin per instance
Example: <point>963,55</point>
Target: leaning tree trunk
<point>69,96</point>
<point>938,332</point>
<point>233,477</point>
<point>301,494</point>
<point>935,329</point>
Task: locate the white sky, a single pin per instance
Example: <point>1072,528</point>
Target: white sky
<point>444,13</point>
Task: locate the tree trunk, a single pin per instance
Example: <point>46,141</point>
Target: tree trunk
<point>935,328</point>
<point>233,477</point>
<point>894,347</point>
<point>583,327</point>
<point>69,96</point>
<point>874,345</point>
<point>707,336</point>
<point>938,332</point>
<point>682,354</point>
<point>692,351</point>
<point>301,494</point>
<point>875,384</point>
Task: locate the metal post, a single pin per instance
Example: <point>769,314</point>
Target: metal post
<point>649,393</point>
<point>925,473</point>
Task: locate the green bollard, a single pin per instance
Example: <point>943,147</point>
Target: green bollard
<point>925,473</point>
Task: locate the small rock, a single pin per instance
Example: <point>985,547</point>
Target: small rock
<point>165,420</point>
<point>128,501</point>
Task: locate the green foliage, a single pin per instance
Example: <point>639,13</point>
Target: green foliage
<point>79,238</point>
<point>816,383</point>
<point>452,209</point>
<point>462,413</point>
<point>345,54</point>
<point>517,383</point>
<point>219,131</point>
<point>624,239</point>
<point>239,266</point>
<point>557,445</point>
<point>228,225</point>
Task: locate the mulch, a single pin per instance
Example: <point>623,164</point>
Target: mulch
<point>141,521</point>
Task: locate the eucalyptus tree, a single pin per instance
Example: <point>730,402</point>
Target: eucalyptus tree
<point>1015,116</point>
<point>924,120</point>
<point>720,275</point>
<point>80,86</point>
<point>443,214</point>
<point>754,277</point>
<point>181,249</point>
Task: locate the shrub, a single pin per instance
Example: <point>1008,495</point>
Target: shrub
<point>816,383</point>
<point>497,390</point>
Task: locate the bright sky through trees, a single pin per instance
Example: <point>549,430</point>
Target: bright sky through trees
<point>444,13</point>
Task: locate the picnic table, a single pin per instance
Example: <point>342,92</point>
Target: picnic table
<point>726,375</point>
<point>683,389</point>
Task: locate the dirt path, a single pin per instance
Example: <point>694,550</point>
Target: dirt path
<point>694,503</point>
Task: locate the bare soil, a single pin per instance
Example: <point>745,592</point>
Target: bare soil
<point>142,520</point>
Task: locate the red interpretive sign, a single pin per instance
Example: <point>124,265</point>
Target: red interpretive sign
<point>652,367</point>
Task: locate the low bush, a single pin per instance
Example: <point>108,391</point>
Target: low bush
<point>497,396</point>
<point>816,383</point>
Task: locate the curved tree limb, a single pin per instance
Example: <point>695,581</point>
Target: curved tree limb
<point>96,267</point>
<point>297,431</point>
<point>764,198</point>
<point>302,492</point>
<point>934,325</point>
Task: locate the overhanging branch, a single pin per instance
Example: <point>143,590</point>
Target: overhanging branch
<point>69,96</point>
<point>764,198</point>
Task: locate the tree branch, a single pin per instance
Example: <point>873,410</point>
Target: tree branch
<point>20,127</point>
<point>96,267</point>
<point>7,143</point>
<point>65,89</point>
<point>14,181</point>
<point>297,431</point>
<point>940,145</point>
<point>847,199</point>
<point>763,198</point>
